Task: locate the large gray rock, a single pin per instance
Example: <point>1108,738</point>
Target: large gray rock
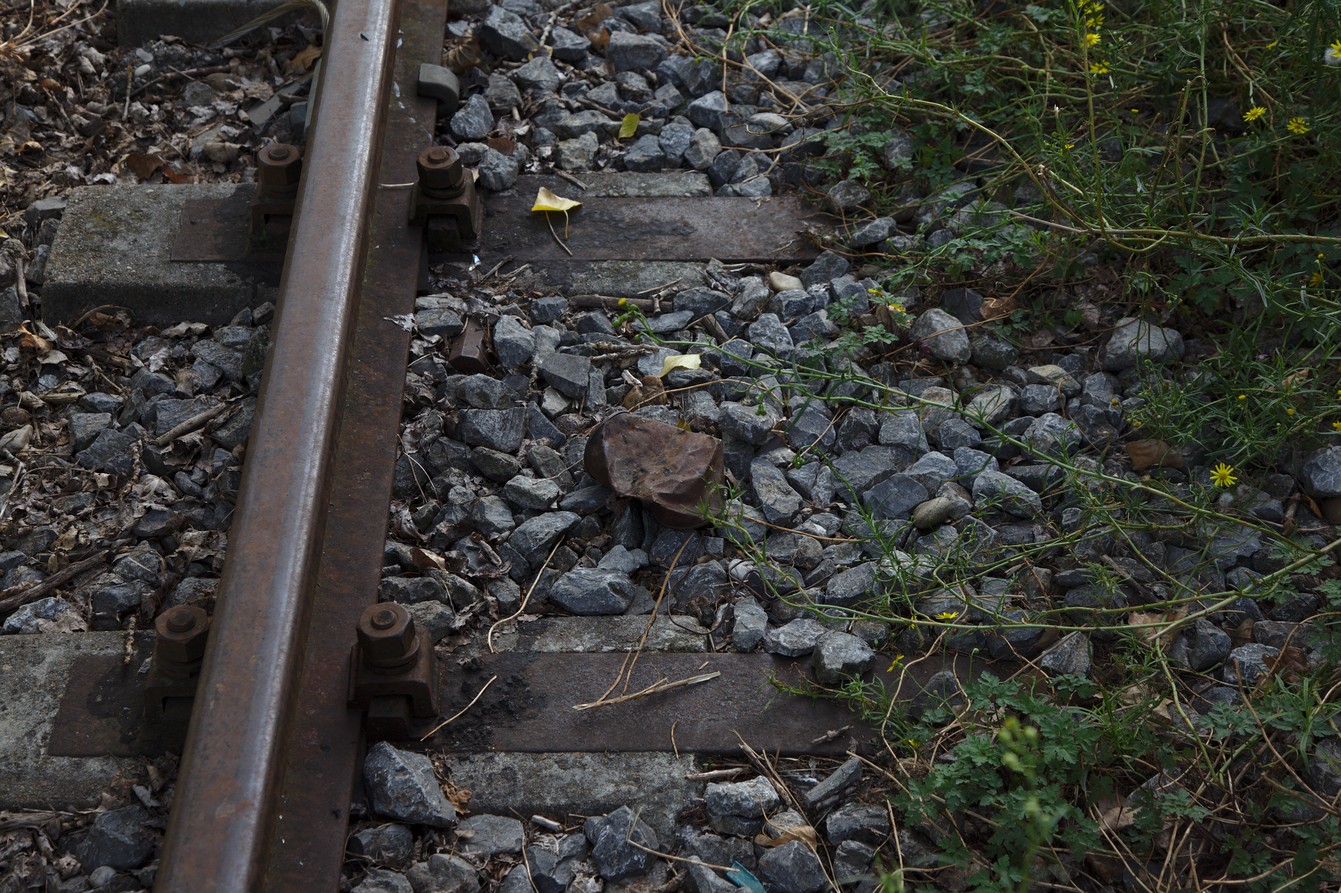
<point>497,171</point>
<point>1201,646</point>
<point>749,626</point>
<point>473,121</point>
<point>401,785</point>
<point>740,807</point>
<point>1069,657</point>
<point>612,840</point>
<point>776,498</point>
<point>792,868</point>
<point>1012,496</point>
<point>796,639</point>
<point>634,52</point>
<point>120,839</point>
<point>498,429</point>
<point>594,591</point>
<point>1320,475</point>
<point>443,874</point>
<point>505,34</point>
<point>513,342</point>
<point>1246,665</point>
<point>379,880</point>
<point>839,655</point>
<point>1137,341</point>
<point>533,538</point>
<point>490,835</point>
<point>944,336</point>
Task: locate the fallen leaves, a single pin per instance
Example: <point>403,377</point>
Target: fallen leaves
<point>680,361</point>
<point>545,202</point>
<point>1147,454</point>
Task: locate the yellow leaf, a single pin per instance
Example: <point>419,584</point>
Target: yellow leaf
<point>630,125</point>
<point>680,361</point>
<point>304,59</point>
<point>548,201</point>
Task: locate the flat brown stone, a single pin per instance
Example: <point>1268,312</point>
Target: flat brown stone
<point>675,473</point>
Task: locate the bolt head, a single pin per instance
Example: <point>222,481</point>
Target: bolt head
<point>440,168</point>
<point>182,634</point>
<point>387,635</point>
<point>278,167</point>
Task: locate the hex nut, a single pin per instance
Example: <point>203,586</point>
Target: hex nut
<point>183,632</point>
<point>387,637</point>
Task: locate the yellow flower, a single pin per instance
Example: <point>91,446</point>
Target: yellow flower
<point>1332,55</point>
<point>1315,280</point>
<point>1136,423</point>
<point>1222,475</point>
<point>1297,125</point>
<point>948,615</point>
<point>1091,39</point>
<point>1336,426</point>
<point>1254,113</point>
<point>898,659</point>
<point>1290,411</point>
<point>1245,396</point>
<point>1099,68</point>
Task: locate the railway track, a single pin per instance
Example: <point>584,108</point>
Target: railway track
<point>466,564</point>
<point>300,667</point>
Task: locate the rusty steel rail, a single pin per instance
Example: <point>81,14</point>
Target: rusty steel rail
<point>224,807</point>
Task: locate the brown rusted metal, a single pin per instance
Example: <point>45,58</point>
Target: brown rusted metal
<point>179,649</point>
<point>445,202</point>
<point>323,751</point>
<point>392,672</point>
<point>468,352</point>
<point>279,169</point>
<point>218,834</point>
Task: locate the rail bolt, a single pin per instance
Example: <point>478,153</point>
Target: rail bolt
<point>387,638</point>
<point>440,169</point>
<point>278,168</point>
<point>182,633</point>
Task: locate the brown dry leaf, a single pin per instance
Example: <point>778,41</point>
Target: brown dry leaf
<point>462,55</point>
<point>141,165</point>
<point>304,59</point>
<point>1294,379</point>
<point>996,308</point>
<point>1146,454</point>
<point>505,145</point>
<point>1117,818</point>
<point>1291,662</point>
<point>803,833</point>
<point>591,20</point>
<point>424,559</point>
<point>177,176</point>
<point>29,340</point>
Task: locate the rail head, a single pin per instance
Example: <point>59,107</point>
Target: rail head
<point>228,787</point>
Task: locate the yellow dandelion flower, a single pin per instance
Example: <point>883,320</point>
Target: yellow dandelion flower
<point>1332,55</point>
<point>1092,38</point>
<point>1254,113</point>
<point>948,615</point>
<point>1222,475</point>
<point>1243,396</point>
<point>1336,426</point>
<point>1290,411</point>
<point>1315,280</point>
<point>1102,68</point>
<point>1298,125</point>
